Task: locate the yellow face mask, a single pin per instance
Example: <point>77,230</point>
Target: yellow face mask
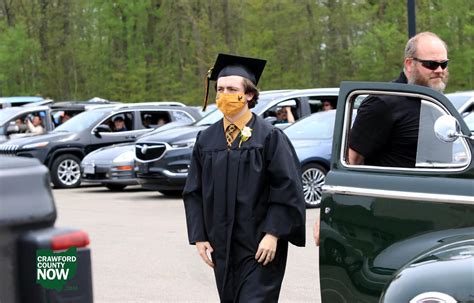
<point>230,104</point>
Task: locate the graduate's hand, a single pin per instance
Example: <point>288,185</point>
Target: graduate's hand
<point>266,249</point>
<point>203,249</point>
<point>316,232</point>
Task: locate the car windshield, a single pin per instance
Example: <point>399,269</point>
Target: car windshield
<point>470,121</point>
<point>210,118</point>
<point>318,126</point>
<point>7,113</point>
<point>263,101</point>
<point>80,122</point>
<point>458,100</point>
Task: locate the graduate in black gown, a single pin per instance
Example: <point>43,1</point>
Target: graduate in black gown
<point>243,195</point>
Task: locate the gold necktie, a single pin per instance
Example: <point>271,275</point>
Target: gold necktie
<point>228,134</point>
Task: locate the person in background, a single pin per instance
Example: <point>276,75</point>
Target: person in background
<point>284,115</point>
<point>385,131</point>
<point>243,195</point>
<point>65,116</point>
<point>119,124</point>
<point>327,105</point>
<point>35,125</point>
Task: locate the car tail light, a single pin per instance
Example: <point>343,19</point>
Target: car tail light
<point>125,167</point>
<point>77,239</point>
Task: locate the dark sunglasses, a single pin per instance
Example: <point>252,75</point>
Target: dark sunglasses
<point>432,65</point>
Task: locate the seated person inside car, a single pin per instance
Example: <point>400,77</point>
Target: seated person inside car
<point>119,124</point>
<point>284,115</point>
<point>35,125</point>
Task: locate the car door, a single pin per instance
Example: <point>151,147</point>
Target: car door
<point>109,134</point>
<point>376,220</point>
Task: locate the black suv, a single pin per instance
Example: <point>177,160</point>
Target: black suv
<point>63,148</point>
<point>162,159</point>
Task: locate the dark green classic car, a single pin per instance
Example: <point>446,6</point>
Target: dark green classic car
<point>395,234</point>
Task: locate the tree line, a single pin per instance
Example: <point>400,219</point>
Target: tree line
<point>152,50</point>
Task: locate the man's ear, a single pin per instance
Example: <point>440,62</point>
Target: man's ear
<point>249,96</point>
<point>408,64</point>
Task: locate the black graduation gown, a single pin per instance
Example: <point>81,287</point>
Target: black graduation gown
<point>234,196</point>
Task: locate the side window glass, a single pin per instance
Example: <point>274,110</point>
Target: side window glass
<point>181,116</point>
<point>431,151</point>
<point>396,130</point>
<point>322,103</point>
<point>120,122</point>
<point>154,119</point>
<point>283,112</point>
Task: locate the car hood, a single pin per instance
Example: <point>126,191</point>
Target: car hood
<point>49,137</point>
<point>173,135</point>
<point>110,152</point>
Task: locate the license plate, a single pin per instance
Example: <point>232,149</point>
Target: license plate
<point>89,169</point>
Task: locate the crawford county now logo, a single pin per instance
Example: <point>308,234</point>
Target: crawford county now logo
<point>53,270</point>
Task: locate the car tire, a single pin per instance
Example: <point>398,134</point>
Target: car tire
<point>66,171</point>
<point>313,176</point>
<point>171,193</point>
<point>115,187</point>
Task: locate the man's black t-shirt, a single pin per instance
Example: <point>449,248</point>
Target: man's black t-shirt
<point>385,130</point>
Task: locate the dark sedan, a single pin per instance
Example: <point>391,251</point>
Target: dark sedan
<point>113,166</point>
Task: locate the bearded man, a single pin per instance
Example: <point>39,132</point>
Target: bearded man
<point>385,131</point>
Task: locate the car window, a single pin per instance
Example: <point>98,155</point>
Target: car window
<point>154,119</point>
<point>80,122</point>
<point>458,100</point>
<point>389,138</point>
<point>210,118</point>
<point>431,151</point>
<point>181,116</point>
<point>282,107</point>
<point>316,102</point>
<point>120,122</point>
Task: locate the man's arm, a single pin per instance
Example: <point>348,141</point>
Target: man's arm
<point>355,158</point>
<point>289,115</point>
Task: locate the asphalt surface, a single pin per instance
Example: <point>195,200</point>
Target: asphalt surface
<point>140,251</point>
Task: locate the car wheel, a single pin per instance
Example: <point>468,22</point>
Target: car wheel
<point>66,171</point>
<point>115,187</point>
<point>171,193</point>
<point>313,176</point>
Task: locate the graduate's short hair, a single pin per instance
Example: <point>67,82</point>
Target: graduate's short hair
<point>250,88</point>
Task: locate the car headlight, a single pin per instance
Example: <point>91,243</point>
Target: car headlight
<point>35,145</point>
<point>127,156</point>
<point>184,144</point>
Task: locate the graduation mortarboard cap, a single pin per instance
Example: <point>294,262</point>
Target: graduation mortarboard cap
<point>230,65</point>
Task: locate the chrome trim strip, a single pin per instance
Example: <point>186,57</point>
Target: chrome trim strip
<point>392,194</point>
<point>346,130</point>
<point>172,174</point>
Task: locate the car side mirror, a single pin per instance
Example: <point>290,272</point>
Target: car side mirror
<point>101,129</point>
<point>13,129</point>
<point>447,129</point>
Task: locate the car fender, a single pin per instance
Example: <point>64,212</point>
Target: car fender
<point>78,151</point>
<point>445,272</point>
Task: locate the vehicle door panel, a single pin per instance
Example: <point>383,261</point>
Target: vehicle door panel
<point>369,215</point>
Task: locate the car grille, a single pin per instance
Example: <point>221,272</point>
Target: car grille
<point>8,149</point>
<point>149,151</point>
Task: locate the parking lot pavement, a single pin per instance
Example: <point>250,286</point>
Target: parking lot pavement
<point>140,251</point>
